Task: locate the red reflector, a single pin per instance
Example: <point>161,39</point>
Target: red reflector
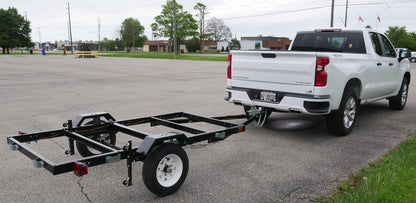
<point>21,133</point>
<point>80,169</point>
<point>229,67</point>
<point>320,74</point>
<point>240,130</point>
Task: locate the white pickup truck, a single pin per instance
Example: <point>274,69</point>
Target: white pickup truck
<point>325,72</point>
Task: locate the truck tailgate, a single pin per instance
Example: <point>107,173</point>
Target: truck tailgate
<point>274,70</point>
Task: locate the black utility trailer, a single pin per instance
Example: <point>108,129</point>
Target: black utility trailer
<point>165,162</point>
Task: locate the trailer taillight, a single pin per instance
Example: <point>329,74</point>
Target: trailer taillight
<point>229,67</point>
<point>320,74</point>
<point>80,169</point>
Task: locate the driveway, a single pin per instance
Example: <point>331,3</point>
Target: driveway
<point>292,158</point>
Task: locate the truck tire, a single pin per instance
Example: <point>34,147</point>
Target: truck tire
<point>413,60</point>
<point>399,101</point>
<point>86,151</point>
<point>165,169</point>
<point>341,122</point>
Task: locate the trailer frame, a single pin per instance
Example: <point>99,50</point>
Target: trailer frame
<point>76,131</point>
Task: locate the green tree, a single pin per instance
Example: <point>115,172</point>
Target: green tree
<point>130,31</point>
<point>163,25</point>
<point>119,44</point>
<point>401,38</point>
<point>193,44</point>
<point>140,41</point>
<point>14,30</point>
<point>235,44</point>
<point>108,44</point>
<point>201,8</point>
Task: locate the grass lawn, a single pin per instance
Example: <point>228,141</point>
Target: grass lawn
<point>164,55</point>
<point>160,55</point>
<point>392,178</point>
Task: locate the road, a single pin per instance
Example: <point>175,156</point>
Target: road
<point>292,158</point>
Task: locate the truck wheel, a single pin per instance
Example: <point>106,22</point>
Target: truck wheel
<point>341,122</point>
<point>85,150</point>
<point>399,101</point>
<point>165,169</point>
<point>413,60</point>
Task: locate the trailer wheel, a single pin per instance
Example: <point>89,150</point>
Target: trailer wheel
<point>165,169</point>
<point>86,151</point>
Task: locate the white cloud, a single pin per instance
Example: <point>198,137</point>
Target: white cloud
<point>289,16</point>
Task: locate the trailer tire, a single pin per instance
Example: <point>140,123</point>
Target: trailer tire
<point>86,151</point>
<point>165,169</point>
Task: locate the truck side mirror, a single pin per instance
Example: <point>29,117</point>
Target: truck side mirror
<point>404,54</point>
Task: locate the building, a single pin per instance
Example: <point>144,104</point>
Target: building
<point>266,43</point>
<point>157,45</point>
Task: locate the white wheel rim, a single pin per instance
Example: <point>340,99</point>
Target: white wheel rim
<point>349,112</point>
<point>169,170</point>
<point>404,93</point>
<point>101,138</point>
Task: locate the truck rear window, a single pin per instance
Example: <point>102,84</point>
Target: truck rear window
<point>346,42</point>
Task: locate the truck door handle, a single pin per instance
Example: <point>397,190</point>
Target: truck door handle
<point>379,64</point>
<point>268,55</point>
<point>390,64</point>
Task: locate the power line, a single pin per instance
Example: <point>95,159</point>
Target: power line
<point>308,9</point>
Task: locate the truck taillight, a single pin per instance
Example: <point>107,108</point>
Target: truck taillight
<point>320,74</point>
<point>229,67</point>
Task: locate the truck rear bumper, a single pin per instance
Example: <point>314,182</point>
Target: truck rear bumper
<point>288,102</point>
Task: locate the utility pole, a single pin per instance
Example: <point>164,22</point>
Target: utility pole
<point>175,43</point>
<point>40,39</point>
<point>70,31</point>
<point>332,13</point>
<point>99,44</point>
<point>346,14</point>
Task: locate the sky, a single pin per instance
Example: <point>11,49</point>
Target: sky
<point>278,18</point>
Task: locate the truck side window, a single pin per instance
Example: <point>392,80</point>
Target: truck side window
<point>376,44</point>
<point>388,48</point>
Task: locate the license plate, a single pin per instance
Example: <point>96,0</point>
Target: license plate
<point>268,96</point>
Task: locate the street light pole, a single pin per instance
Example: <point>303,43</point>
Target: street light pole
<point>70,31</point>
<point>332,14</point>
<point>175,43</point>
<point>346,14</point>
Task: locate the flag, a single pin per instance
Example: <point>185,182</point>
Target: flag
<point>361,19</point>
<point>378,18</point>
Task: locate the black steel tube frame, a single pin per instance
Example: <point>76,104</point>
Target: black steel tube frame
<point>80,133</point>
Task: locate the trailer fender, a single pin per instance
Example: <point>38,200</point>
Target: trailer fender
<point>151,141</point>
<point>95,116</point>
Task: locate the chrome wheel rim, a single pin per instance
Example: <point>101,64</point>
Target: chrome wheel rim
<point>349,112</point>
<point>169,170</point>
<point>101,138</point>
<point>404,94</point>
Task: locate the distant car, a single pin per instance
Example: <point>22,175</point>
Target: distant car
<point>413,57</point>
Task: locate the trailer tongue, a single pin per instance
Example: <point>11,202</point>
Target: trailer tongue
<point>165,162</point>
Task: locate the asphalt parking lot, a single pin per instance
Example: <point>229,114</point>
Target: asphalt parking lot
<point>292,158</point>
